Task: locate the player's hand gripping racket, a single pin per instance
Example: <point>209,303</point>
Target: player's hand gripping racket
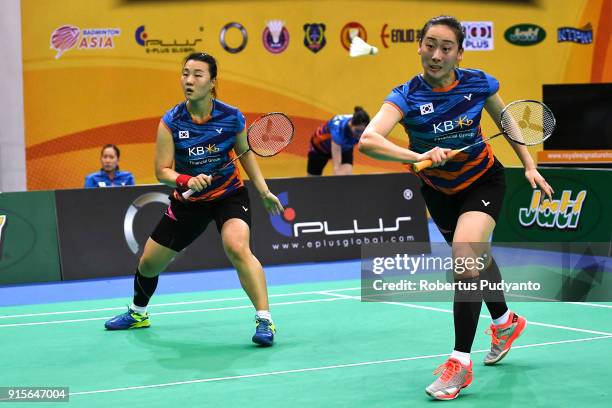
<point>267,136</point>
<point>525,122</point>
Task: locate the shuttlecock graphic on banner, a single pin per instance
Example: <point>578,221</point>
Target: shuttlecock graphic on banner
<point>360,48</point>
<point>276,29</point>
<point>64,38</point>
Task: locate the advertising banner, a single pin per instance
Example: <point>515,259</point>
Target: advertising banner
<point>331,218</point>
<point>578,212</point>
<point>28,238</point>
<point>103,231</point>
<point>105,71</point>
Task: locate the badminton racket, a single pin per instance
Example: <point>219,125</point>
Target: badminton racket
<point>525,122</point>
<point>267,136</point>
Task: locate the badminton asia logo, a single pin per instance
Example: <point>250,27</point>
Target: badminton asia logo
<point>314,37</point>
<point>560,214</point>
<point>285,224</point>
<point>350,30</point>
<point>275,37</point>
<point>66,37</point>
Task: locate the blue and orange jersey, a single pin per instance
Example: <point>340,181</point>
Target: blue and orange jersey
<point>336,129</point>
<point>204,147</point>
<point>447,117</point>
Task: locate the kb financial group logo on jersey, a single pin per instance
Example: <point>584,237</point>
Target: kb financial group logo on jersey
<point>478,35</point>
<point>525,34</point>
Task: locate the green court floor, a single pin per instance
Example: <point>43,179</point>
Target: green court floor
<point>332,351</point>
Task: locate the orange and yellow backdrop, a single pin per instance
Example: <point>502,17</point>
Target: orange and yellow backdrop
<point>122,73</point>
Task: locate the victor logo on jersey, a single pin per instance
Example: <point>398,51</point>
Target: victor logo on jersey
<point>427,108</point>
<point>448,125</point>
<point>183,134</point>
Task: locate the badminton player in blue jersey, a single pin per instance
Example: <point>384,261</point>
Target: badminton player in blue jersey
<point>195,139</point>
<point>441,110</point>
<point>335,140</point>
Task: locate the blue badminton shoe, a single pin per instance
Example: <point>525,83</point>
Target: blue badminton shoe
<point>128,320</point>
<point>264,332</point>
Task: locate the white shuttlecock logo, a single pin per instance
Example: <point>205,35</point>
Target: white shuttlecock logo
<point>359,48</point>
<point>276,28</point>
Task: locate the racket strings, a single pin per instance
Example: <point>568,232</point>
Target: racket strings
<point>528,122</point>
<point>270,134</point>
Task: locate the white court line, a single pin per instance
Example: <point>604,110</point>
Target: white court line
<point>193,302</point>
<point>311,369</point>
<point>482,316</point>
<point>225,300</point>
<point>590,304</point>
<point>328,299</point>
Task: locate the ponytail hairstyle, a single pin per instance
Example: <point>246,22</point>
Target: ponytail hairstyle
<point>360,117</point>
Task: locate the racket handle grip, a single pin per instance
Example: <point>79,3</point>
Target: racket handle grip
<point>188,193</point>
<point>418,166</point>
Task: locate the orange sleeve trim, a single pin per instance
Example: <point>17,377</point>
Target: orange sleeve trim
<point>396,107</point>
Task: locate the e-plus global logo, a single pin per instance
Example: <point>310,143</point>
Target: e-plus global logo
<point>283,223</point>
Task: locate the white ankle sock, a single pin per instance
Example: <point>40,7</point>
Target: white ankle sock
<point>139,309</point>
<point>464,358</point>
<point>264,314</point>
<point>503,319</point>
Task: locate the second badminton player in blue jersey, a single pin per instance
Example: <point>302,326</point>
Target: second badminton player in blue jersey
<point>441,110</point>
<point>335,140</point>
<point>195,139</point>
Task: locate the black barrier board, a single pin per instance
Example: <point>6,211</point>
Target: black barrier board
<point>102,232</point>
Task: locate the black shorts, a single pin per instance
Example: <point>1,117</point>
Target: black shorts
<point>182,222</point>
<point>317,161</point>
<point>486,194</point>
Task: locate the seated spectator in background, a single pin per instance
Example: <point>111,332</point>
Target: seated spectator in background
<point>109,175</point>
<point>335,140</point>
